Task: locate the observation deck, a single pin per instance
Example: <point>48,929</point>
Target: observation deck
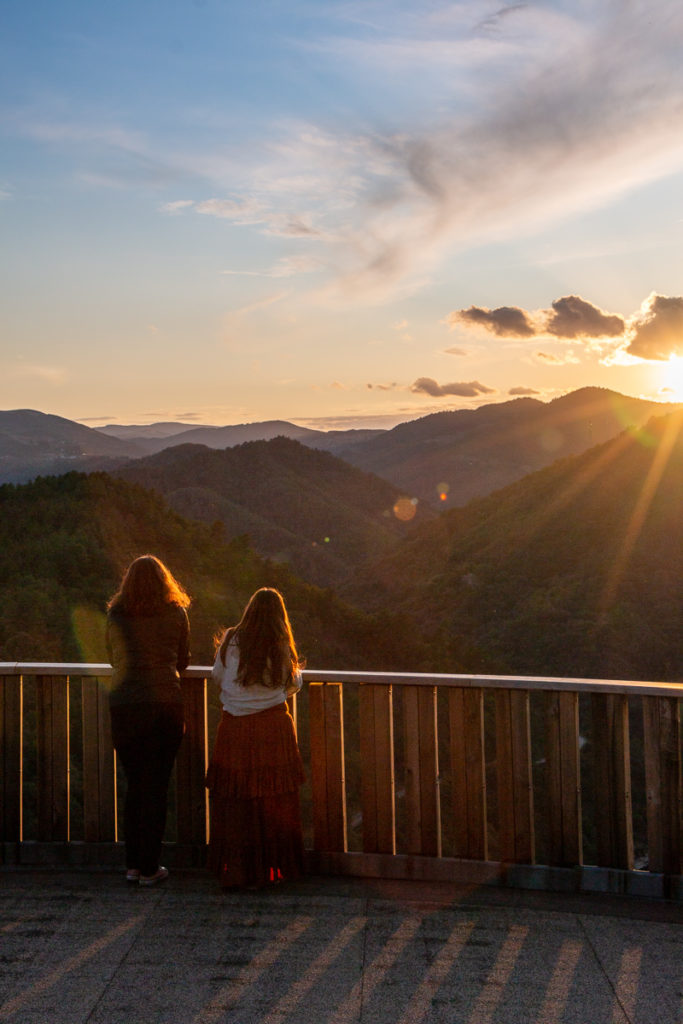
<point>482,849</point>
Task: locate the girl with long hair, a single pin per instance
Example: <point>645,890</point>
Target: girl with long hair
<point>148,638</point>
<point>256,770</point>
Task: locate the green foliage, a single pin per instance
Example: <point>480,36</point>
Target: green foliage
<point>65,541</point>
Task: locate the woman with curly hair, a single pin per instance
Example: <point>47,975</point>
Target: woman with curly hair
<point>148,639</point>
<point>256,770</point>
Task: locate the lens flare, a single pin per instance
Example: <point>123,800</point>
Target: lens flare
<point>89,626</point>
<point>405,509</point>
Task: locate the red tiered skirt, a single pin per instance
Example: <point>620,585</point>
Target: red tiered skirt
<point>253,780</point>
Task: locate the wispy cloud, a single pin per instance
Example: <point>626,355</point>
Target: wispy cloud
<point>585,113</point>
<point>515,116</point>
<point>287,266</point>
<point>42,372</point>
<point>555,359</point>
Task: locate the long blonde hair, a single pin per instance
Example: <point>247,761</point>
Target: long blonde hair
<point>147,587</point>
<point>264,636</point>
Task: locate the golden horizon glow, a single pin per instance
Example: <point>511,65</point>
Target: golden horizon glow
<point>672,379</point>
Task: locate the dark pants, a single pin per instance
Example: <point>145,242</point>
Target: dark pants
<point>146,739</point>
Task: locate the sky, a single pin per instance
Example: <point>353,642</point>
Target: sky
<point>341,214</point>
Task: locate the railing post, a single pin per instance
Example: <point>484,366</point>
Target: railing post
<point>191,764</point>
<point>468,766</point>
<point>565,847</point>
<point>11,758</point>
<point>662,727</point>
<point>328,778</point>
<point>377,769</point>
<point>612,761</point>
<point>99,764</point>
<point>52,727</point>
<point>423,810</point>
<point>515,792</point>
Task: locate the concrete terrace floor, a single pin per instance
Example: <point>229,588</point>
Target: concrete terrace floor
<point>82,946</point>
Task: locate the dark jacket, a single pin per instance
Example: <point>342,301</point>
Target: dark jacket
<point>148,653</point>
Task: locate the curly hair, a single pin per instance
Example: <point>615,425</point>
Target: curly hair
<point>147,587</point>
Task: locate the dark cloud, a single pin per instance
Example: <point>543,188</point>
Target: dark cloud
<point>657,333</point>
<point>573,317</point>
<point>428,386</point>
<point>506,321</point>
<point>570,317</point>
<point>455,351</point>
<point>523,391</point>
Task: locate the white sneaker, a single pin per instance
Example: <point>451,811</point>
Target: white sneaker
<point>159,876</point>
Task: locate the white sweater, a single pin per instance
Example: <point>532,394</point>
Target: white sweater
<point>247,700</point>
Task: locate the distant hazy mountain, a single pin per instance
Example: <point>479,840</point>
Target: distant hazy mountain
<point>471,452</point>
<point>33,443</point>
<point>158,436</point>
<point>132,431</point>
<point>296,504</point>
<point>575,570</point>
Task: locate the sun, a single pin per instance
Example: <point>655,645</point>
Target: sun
<point>672,379</point>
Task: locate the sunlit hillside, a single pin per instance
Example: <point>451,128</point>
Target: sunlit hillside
<point>573,571</point>
<point>306,507</point>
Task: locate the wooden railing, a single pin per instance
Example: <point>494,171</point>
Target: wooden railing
<point>560,783</point>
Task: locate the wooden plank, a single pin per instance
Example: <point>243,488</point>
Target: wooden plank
<point>504,787</point>
<point>328,780</point>
<point>108,809</point>
<point>385,770</point>
<point>553,760</point>
<point>368,768</point>
<point>565,846</point>
<point>11,758</point>
<point>653,783</point>
<point>612,768</point>
<point>191,765</point>
<point>514,784</point>
<point>572,820</point>
<point>99,764</point>
<point>662,727</point>
<point>336,771</point>
<point>429,774</point>
<point>377,769</point>
<point>468,768</point>
<point>318,766</point>
<point>91,761</point>
<point>52,715</point>
<point>411,768</point>
<point>423,812</point>
<point>522,778</point>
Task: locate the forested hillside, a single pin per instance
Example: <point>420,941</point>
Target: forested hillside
<point>576,570</point>
<point>468,453</point>
<point>64,542</point>
<point>296,504</point>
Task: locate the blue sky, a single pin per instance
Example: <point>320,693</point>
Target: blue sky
<point>337,213</point>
